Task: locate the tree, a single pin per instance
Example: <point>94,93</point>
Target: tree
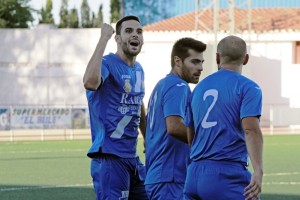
<point>114,11</point>
<point>85,15</point>
<point>73,18</point>
<point>47,17</point>
<point>98,21</point>
<point>15,14</point>
<point>64,15</point>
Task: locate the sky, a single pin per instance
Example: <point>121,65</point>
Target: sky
<point>94,6</point>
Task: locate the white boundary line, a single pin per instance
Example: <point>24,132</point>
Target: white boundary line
<point>43,151</point>
<point>43,187</point>
<point>281,183</point>
<point>12,189</point>
<point>283,174</point>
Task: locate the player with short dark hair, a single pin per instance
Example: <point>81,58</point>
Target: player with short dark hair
<point>115,89</point>
<point>167,151</point>
<point>223,120</point>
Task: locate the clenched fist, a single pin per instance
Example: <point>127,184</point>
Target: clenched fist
<point>107,31</point>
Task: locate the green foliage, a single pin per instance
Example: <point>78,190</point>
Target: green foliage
<point>73,18</point>
<point>85,15</point>
<point>15,14</point>
<point>64,15</point>
<point>46,14</point>
<point>114,11</point>
<point>98,21</point>
<point>70,19</point>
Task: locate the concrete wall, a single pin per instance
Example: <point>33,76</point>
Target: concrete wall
<point>45,65</point>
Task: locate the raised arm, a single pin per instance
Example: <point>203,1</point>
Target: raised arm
<point>254,143</point>
<point>92,75</point>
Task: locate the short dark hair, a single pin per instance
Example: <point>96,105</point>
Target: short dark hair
<point>127,18</point>
<point>182,46</point>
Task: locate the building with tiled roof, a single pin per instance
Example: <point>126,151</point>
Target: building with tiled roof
<point>273,37</point>
<point>262,20</point>
<point>152,11</point>
<point>50,62</point>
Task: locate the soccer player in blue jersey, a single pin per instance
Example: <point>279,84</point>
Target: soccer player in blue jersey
<point>223,120</point>
<point>115,89</point>
<point>167,151</point>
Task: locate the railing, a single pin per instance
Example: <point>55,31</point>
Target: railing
<point>280,118</point>
<point>31,122</point>
<point>68,122</point>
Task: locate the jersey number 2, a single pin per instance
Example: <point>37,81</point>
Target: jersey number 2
<point>214,94</point>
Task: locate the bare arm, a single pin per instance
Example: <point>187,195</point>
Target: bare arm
<point>92,75</point>
<point>254,143</point>
<point>143,121</point>
<point>176,128</point>
<point>190,135</point>
<point>143,125</point>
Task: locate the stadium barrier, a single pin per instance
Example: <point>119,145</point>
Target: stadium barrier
<point>70,122</point>
<point>32,122</point>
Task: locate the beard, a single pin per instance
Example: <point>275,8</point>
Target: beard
<point>128,52</point>
<point>189,78</point>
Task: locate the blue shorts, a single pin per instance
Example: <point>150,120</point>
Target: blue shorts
<point>217,180</point>
<point>165,191</point>
<point>118,178</point>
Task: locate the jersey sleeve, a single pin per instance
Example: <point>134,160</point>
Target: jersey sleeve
<point>175,100</point>
<point>104,71</point>
<point>252,102</point>
<point>188,118</point>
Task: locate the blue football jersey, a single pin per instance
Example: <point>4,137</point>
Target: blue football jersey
<point>217,106</point>
<point>166,156</point>
<point>115,108</point>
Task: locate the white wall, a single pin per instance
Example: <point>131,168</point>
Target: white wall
<point>45,65</point>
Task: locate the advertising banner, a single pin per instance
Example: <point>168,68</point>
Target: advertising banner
<point>4,119</point>
<point>40,117</point>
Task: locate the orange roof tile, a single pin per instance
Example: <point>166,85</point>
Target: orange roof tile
<point>262,20</point>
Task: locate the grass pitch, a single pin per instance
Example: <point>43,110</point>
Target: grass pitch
<point>60,170</point>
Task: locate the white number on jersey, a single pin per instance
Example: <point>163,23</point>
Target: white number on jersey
<point>214,94</point>
<point>152,104</point>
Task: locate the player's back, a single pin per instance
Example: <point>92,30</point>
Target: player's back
<point>219,102</point>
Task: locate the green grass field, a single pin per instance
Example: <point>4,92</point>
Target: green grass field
<point>59,170</point>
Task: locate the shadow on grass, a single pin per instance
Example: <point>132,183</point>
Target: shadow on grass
<point>279,197</point>
<point>29,192</point>
<point>46,193</point>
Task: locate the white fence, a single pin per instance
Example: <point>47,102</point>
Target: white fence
<point>43,117</point>
<point>280,119</point>
<point>41,122</point>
